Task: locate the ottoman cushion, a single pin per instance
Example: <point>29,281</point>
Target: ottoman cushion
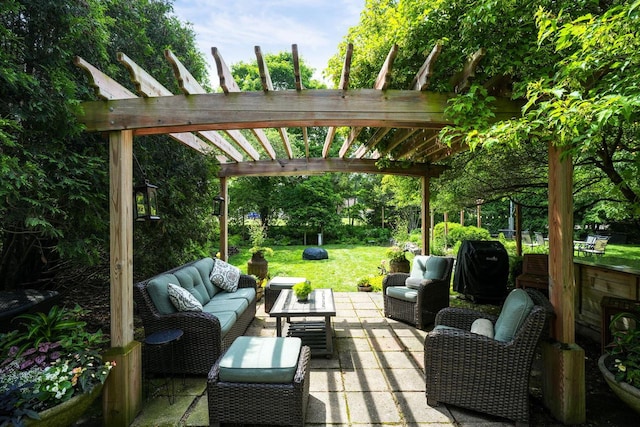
<point>261,360</point>
<point>282,282</point>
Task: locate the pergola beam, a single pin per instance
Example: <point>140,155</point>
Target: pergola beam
<point>296,167</point>
<point>245,110</point>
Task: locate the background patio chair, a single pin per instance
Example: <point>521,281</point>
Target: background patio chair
<point>415,298</point>
<point>479,372</point>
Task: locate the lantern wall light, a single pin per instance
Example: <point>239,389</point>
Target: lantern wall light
<point>218,204</point>
<point>146,201</point>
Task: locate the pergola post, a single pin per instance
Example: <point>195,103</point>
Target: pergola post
<point>224,225</point>
<point>425,215</point>
<point>122,395</point>
<point>564,373</point>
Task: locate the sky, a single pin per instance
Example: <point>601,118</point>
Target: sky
<point>235,27</point>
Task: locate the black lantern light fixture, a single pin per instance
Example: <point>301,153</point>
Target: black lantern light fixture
<point>145,199</point>
<point>218,204</point>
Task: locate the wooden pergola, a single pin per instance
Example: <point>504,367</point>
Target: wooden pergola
<point>404,127</point>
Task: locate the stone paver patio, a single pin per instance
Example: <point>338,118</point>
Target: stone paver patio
<point>375,377</point>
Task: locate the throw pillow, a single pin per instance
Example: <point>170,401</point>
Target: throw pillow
<point>182,299</point>
<point>514,312</point>
<point>225,275</point>
<point>482,327</point>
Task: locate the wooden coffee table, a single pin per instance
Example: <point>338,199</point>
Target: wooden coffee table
<point>318,334</point>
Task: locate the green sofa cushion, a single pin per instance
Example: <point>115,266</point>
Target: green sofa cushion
<point>237,305</point>
<point>157,288</point>
<point>261,360</point>
<point>204,266</point>
<point>403,293</point>
<point>190,280</point>
<point>248,294</point>
<point>514,312</point>
<point>227,320</point>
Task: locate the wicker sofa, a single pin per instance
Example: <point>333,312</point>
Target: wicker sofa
<point>486,371</point>
<point>416,298</point>
<point>208,333</point>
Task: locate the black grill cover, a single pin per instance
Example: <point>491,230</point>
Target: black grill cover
<point>482,270</point>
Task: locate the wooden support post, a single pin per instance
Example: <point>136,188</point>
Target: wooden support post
<point>425,212</point>
<point>122,396</point>
<point>224,224</point>
<point>518,229</point>
<point>564,376</point>
<point>563,382</point>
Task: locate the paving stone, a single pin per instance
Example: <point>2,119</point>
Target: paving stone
<point>372,407</point>
<point>327,408</point>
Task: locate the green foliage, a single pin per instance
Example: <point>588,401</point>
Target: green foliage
<point>625,347</point>
<point>302,289</point>
<point>312,205</point>
<point>54,177</point>
<point>59,325</point>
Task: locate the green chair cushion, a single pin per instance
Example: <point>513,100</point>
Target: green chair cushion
<point>403,293</point>
<point>261,360</point>
<point>435,268</point>
<point>514,312</point>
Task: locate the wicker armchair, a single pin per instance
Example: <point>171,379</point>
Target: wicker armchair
<point>202,342</point>
<point>418,305</point>
<point>478,372</point>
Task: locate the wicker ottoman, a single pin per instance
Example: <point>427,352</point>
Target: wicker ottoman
<point>244,385</point>
<point>275,285</point>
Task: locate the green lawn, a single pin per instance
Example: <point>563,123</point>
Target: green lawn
<point>348,263</point>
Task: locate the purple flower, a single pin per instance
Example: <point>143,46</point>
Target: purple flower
<point>28,352</point>
<point>26,365</point>
<point>55,355</point>
<point>41,359</point>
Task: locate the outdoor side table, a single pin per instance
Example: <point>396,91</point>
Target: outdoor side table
<point>161,340</point>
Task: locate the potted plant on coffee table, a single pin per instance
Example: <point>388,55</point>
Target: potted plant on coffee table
<point>620,365</point>
<point>302,290</point>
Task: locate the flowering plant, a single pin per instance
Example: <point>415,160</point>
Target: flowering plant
<point>625,348</point>
<point>396,253</point>
<point>38,374</point>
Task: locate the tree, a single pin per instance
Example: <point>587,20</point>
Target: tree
<point>54,181</point>
<point>312,205</point>
<point>575,76</point>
